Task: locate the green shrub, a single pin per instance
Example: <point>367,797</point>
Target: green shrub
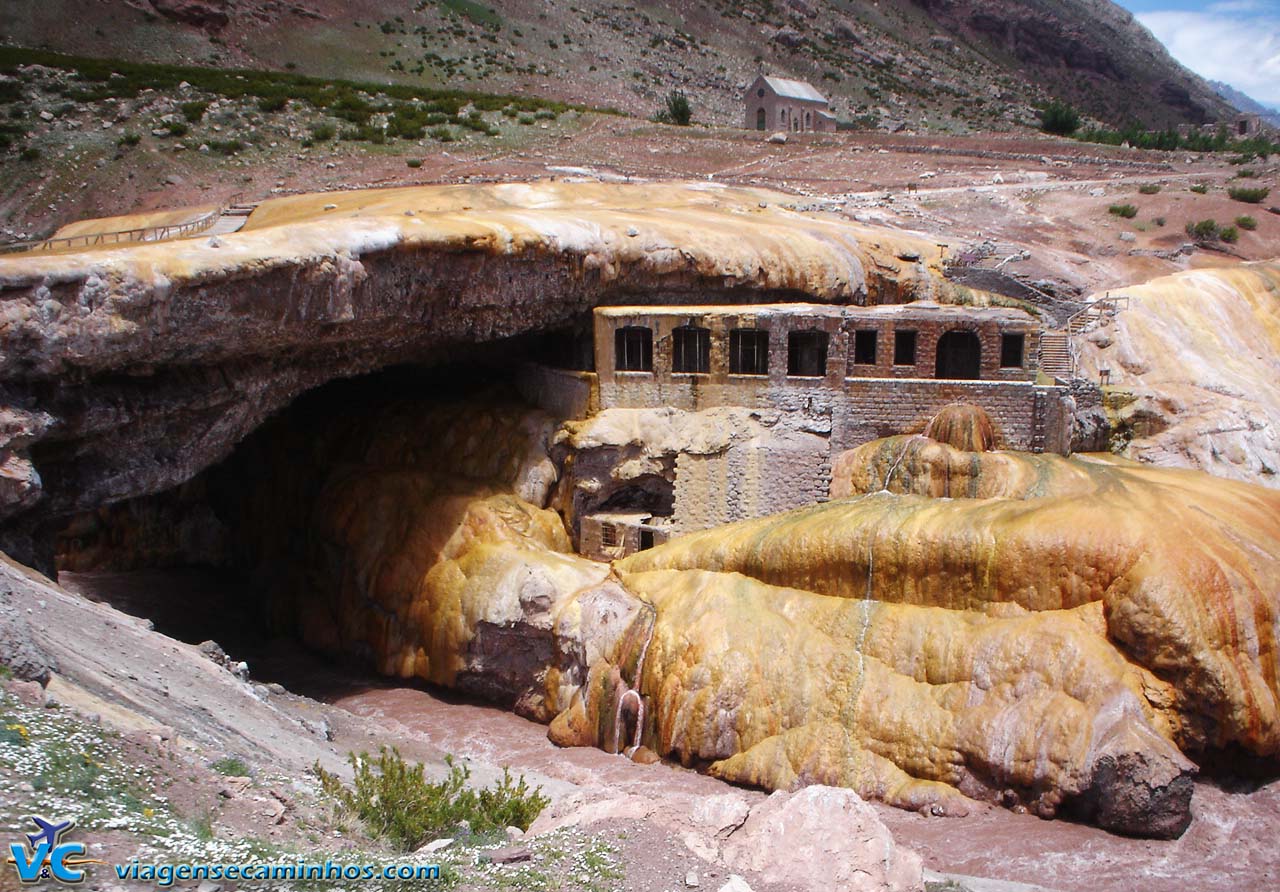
<point>396,802</point>
<point>1159,221</point>
<point>676,110</point>
<point>30,153</point>
<point>1059,118</point>
<point>1229,234</point>
<point>415,163</point>
<point>1149,188</point>
<point>129,139</point>
<point>1246,173</point>
<point>177,128</point>
<point>527,120</point>
<point>231,767</point>
<point>442,133</point>
<point>194,111</point>
<point>1247,223</point>
<point>323,132</point>
<point>1204,231</point>
<point>1248,195</point>
<point>1200,188</point>
<point>1127,211</point>
<point>273,103</point>
<point>226,146</point>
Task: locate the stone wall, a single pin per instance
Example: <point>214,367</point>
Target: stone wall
<point>565,394</point>
<point>1027,417</point>
<point>770,474</point>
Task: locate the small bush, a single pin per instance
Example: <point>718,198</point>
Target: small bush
<point>1247,223</point>
<point>129,139</point>
<point>323,132</point>
<point>1246,173</point>
<point>194,111</point>
<point>1200,188</point>
<point>226,146</point>
<point>396,802</point>
<point>1127,211</point>
<point>273,103</point>
<point>1059,118</point>
<point>527,120</point>
<point>1229,234</point>
<point>177,128</point>
<point>443,134</point>
<point>1149,188</point>
<point>1204,231</point>
<point>30,153</point>
<point>231,767</point>
<point>1248,195</point>
<point>676,110</point>
<point>1159,221</point>
<point>415,163</point>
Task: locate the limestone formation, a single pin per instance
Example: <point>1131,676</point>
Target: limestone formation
<point>1193,360</point>
<point>134,367</point>
<point>1051,633</point>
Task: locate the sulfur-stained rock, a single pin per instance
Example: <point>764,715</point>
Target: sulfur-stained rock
<point>131,349</point>
<point>1192,360</point>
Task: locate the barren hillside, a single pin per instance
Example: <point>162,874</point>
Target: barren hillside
<point>955,65</point>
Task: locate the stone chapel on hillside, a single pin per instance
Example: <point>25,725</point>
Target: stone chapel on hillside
<point>775,103</point>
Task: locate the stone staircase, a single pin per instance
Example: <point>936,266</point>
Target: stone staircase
<point>1056,359</point>
<point>232,219</point>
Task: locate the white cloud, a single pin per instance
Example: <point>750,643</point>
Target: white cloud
<point>1236,41</point>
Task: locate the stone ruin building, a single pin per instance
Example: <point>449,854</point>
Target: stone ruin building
<point>821,378</point>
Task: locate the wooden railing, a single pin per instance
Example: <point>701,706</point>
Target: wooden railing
<point>96,239</point>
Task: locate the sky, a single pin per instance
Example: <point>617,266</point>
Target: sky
<point>1235,41</point>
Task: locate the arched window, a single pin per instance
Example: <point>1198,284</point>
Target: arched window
<point>760,93</point>
<point>782,115</point>
<point>808,120</point>
<point>760,122</point>
<point>959,356</point>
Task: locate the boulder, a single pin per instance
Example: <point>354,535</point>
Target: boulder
<point>822,838</point>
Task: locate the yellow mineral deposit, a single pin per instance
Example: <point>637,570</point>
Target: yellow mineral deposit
<point>996,624</point>
<point>1193,361</point>
<point>747,236</point>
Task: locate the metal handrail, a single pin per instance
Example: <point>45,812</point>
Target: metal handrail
<point>1080,321</point>
<point>92,239</point>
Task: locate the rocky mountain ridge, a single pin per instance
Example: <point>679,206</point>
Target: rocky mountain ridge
<point>953,65</point>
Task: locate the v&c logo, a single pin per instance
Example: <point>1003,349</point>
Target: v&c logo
<point>46,856</point>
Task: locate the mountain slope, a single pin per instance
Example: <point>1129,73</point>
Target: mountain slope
<point>1246,103</point>
<point>950,64</point>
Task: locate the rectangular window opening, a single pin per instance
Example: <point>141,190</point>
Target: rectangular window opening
<point>864,347</point>
<point>633,349</point>
<point>691,350</point>
<point>807,354</point>
<point>1011,350</point>
<point>904,348</point>
<point>609,535</point>
<point>748,352</point>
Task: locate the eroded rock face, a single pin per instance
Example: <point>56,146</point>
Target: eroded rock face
<point>151,361</point>
<point>1053,634</point>
<point>1199,352</point>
